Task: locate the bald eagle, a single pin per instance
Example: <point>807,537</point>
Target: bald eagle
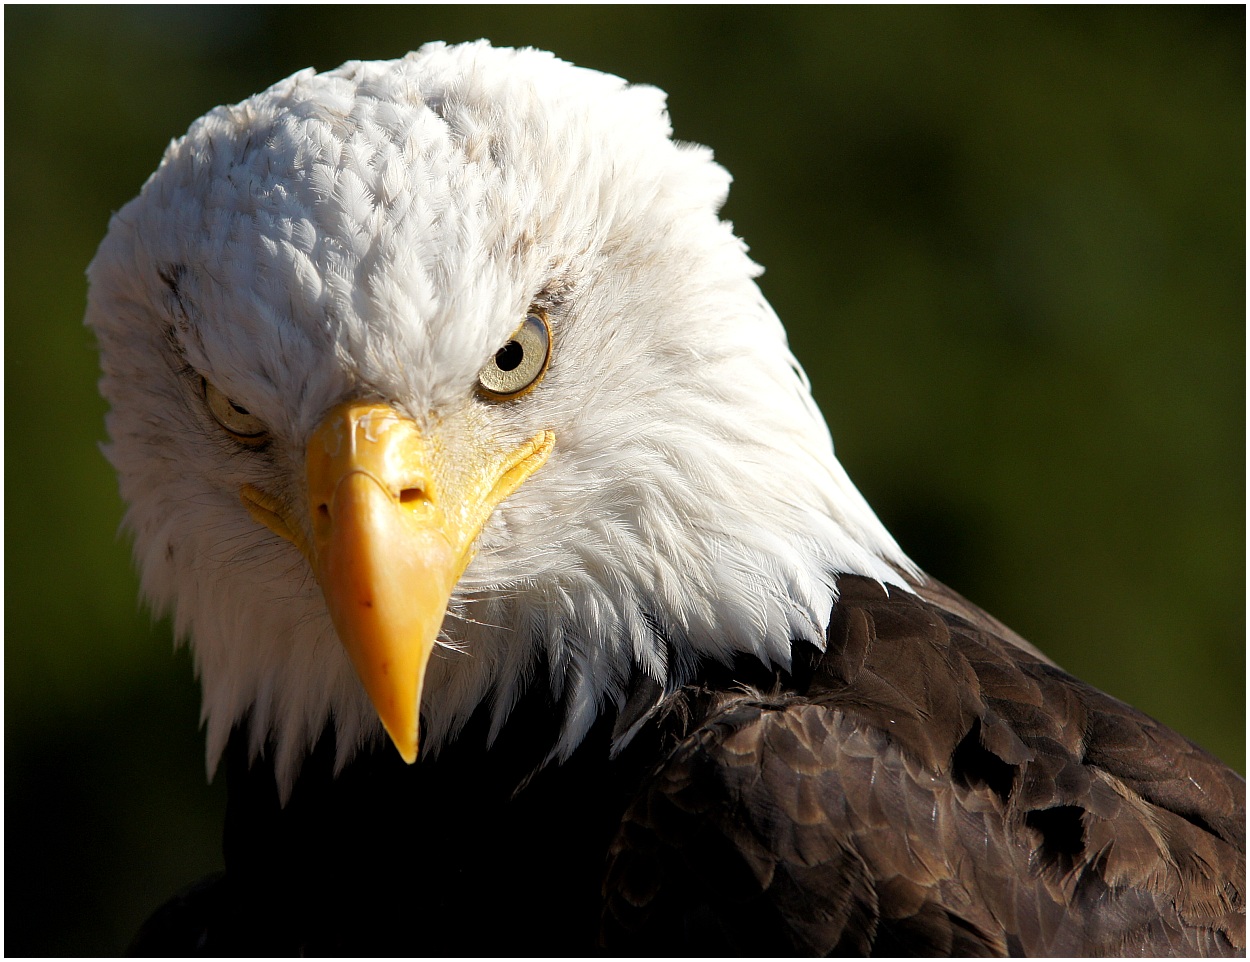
<point>532,611</point>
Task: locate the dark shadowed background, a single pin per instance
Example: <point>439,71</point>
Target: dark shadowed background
<point>1008,244</point>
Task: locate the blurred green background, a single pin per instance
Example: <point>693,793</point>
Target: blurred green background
<point>1008,245</point>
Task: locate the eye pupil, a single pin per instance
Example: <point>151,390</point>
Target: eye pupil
<point>509,357</point>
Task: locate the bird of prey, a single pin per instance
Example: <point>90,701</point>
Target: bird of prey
<point>532,611</point>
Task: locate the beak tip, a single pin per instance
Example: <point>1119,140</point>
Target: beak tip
<point>407,747</point>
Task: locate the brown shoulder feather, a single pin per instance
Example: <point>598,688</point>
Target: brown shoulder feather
<point>929,785</point>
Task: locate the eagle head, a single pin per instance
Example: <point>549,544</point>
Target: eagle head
<point>436,379</point>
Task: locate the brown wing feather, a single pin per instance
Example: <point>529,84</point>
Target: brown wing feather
<point>932,785</point>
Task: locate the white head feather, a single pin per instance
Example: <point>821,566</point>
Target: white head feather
<point>380,230</point>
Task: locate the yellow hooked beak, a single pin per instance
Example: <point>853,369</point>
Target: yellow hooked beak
<point>392,529</point>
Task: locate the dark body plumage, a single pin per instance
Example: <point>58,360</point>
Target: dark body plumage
<point>929,785</point>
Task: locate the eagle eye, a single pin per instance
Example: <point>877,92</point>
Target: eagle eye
<point>238,421</point>
<point>519,364</point>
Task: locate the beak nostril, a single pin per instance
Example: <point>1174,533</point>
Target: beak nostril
<point>323,512</point>
<point>411,496</point>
